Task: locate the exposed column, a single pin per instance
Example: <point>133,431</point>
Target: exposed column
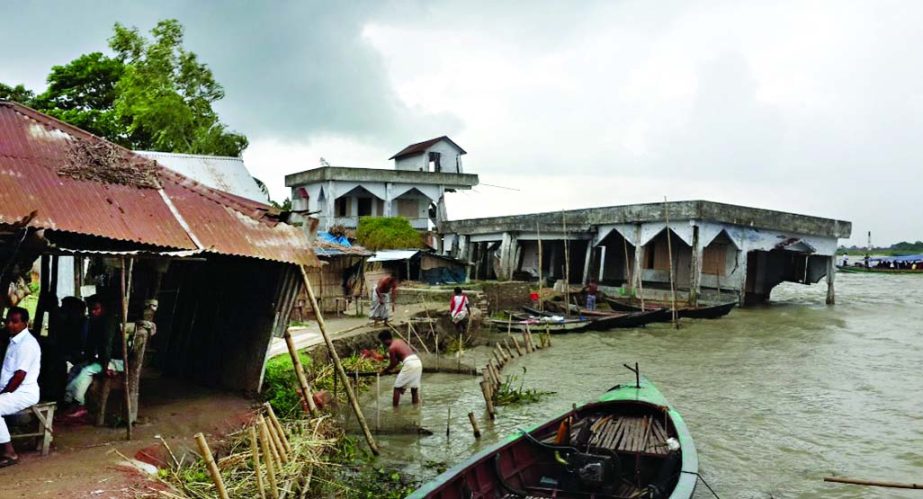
<point>388,199</point>
<point>742,269</point>
<point>602,263</point>
<point>695,267</point>
<point>330,209</point>
<point>831,274</point>
<point>506,249</point>
<point>586,261</point>
<point>639,258</point>
<point>441,213</point>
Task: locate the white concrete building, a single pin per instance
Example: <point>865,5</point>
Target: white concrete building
<point>414,189</point>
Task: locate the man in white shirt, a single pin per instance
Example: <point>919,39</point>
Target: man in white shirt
<point>18,377</point>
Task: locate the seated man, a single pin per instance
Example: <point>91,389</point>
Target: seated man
<point>104,352</point>
<point>411,371</point>
<point>18,377</point>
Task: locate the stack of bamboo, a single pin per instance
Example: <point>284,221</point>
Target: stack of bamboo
<point>501,355</point>
<point>265,460</point>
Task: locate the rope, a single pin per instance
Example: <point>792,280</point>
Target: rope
<point>700,477</point>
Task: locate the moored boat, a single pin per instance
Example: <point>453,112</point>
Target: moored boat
<point>600,321</point>
<point>630,443</point>
<point>702,312</point>
<point>554,325</point>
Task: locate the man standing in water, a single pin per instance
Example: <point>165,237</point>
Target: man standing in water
<point>411,371</point>
<point>383,294</point>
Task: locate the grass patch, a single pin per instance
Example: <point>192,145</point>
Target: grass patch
<point>509,394</point>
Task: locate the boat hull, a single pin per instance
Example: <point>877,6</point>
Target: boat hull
<point>535,463</point>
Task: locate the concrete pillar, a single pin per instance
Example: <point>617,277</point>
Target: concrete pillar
<point>330,209</point>
<point>506,256</point>
<point>517,256</point>
<point>695,268</point>
<point>389,198</point>
<point>552,260</point>
<point>831,274</point>
<point>587,260</point>
<point>742,268</point>
<point>639,258</point>
<point>441,213</point>
<point>602,263</point>
<point>462,245</point>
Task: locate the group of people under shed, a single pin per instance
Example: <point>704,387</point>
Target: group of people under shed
<point>60,367</point>
<point>383,299</point>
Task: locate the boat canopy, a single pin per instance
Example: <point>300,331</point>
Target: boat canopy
<point>902,258</point>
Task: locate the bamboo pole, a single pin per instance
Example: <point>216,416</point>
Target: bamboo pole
<point>267,456</point>
<point>566,267</point>
<point>254,449</point>
<point>126,384</point>
<point>338,365</point>
<point>414,330</point>
<point>666,217</point>
<point>278,426</point>
<point>307,401</point>
<point>873,483</point>
<point>518,348</point>
<point>377,402</point>
<point>210,464</point>
<point>488,400</point>
<point>273,446</point>
<point>474,425</point>
<point>541,282</point>
<point>277,442</point>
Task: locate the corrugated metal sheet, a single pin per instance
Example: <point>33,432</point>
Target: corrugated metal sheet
<point>218,172</point>
<point>392,255</point>
<point>32,149</point>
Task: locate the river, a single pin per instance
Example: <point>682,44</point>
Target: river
<point>776,396</point>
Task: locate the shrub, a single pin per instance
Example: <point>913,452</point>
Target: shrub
<point>377,233</point>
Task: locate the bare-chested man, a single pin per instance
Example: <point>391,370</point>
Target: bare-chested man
<point>411,371</point>
<point>384,296</point>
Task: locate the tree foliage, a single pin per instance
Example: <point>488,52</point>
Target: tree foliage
<point>377,233</point>
<point>152,94</point>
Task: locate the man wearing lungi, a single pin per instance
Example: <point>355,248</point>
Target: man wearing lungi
<point>411,370</point>
<point>18,377</point>
<point>383,294</point>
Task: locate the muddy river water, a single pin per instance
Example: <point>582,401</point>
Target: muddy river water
<point>776,397</point>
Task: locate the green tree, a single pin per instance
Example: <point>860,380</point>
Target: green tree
<point>19,93</point>
<point>377,233</point>
<point>83,93</point>
<point>153,94</point>
<point>165,95</point>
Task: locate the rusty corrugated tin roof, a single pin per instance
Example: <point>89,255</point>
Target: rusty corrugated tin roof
<point>53,168</point>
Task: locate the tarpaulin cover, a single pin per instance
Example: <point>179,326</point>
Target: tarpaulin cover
<point>904,258</point>
<point>330,238</point>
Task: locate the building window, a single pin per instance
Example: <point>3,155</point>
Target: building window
<point>342,207</point>
<point>364,207</point>
<point>408,208</point>
<point>434,165</point>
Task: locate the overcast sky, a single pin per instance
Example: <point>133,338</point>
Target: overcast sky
<point>811,107</point>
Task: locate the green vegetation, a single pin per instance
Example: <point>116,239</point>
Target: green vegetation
<point>377,233</point>
<point>152,94</point>
<point>510,395</point>
<point>897,249</point>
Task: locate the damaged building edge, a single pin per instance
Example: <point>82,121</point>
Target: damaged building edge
<point>720,252</point>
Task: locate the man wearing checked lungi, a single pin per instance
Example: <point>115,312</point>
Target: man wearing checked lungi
<point>411,371</point>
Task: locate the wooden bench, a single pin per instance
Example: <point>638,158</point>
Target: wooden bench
<point>44,415</point>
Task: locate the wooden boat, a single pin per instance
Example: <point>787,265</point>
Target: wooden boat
<point>630,443</point>
<point>601,321</point>
<point>541,324</point>
<point>873,270</point>
<point>705,312</point>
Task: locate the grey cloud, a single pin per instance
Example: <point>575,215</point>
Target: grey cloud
<point>290,69</point>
